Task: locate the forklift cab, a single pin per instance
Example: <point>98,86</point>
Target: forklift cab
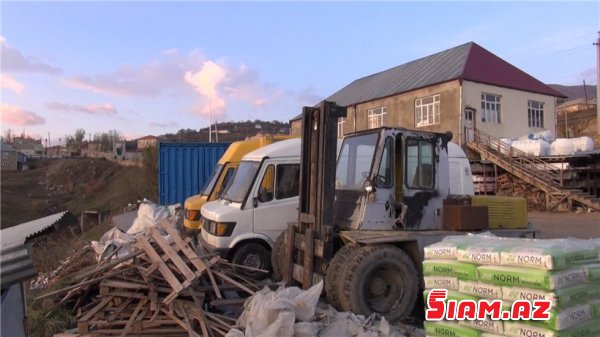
<point>390,178</point>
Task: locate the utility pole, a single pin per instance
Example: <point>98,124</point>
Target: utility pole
<point>597,44</point>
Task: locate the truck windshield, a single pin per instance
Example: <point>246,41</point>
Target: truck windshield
<point>238,187</point>
<point>355,160</point>
<point>210,183</point>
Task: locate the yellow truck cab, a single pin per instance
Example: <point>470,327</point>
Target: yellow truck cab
<point>219,177</point>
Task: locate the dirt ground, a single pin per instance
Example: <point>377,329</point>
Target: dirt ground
<point>562,225</point>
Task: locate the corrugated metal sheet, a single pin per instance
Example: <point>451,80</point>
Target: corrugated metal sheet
<point>184,167</point>
<point>468,61</point>
<point>15,255</point>
<point>15,265</point>
<point>16,235</point>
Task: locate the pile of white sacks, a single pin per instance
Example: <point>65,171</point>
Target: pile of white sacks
<point>544,144</point>
<point>474,267</point>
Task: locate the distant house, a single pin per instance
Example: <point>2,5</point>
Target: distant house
<point>147,141</point>
<point>9,157</point>
<point>577,118</point>
<point>29,147</point>
<point>465,86</point>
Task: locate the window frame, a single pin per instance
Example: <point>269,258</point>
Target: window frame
<point>535,115</point>
<point>277,192</point>
<point>410,184</point>
<point>340,127</point>
<point>491,110</point>
<point>375,117</point>
<point>423,110</point>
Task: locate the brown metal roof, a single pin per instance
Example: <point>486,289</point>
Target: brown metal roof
<point>466,62</point>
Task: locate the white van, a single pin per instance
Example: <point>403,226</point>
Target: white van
<point>262,198</point>
<point>255,207</point>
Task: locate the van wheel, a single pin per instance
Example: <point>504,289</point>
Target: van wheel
<point>381,279</point>
<point>277,256</point>
<point>253,255</point>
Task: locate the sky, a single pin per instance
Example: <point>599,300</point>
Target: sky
<point>150,68</point>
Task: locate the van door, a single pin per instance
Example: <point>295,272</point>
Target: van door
<point>276,198</point>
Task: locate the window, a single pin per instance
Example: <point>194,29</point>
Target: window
<point>355,160</point>
<point>427,110</point>
<point>340,127</point>
<point>375,117</point>
<point>288,181</point>
<point>384,175</point>
<point>419,164</point>
<point>490,108</point>
<point>265,191</point>
<point>535,114</point>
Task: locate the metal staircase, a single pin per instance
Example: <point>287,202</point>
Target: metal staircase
<point>530,169</point>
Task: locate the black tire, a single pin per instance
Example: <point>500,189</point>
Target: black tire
<point>332,276</point>
<point>277,256</point>
<point>380,279</point>
<point>252,255</point>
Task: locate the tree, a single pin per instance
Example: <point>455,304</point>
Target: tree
<point>73,142</point>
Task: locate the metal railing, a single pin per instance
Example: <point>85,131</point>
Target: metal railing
<point>536,168</point>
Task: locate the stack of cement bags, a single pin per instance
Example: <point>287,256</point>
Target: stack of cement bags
<point>472,267</point>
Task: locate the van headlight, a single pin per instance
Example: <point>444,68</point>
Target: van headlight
<point>218,228</point>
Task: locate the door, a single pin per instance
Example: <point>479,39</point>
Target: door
<point>277,198</point>
<point>468,122</point>
<point>380,212</point>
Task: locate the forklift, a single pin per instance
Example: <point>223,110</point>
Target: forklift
<point>363,221</point>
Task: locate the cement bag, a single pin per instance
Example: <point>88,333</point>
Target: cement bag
<point>484,290</point>
<point>449,329</point>
<point>593,272</point>
<point>450,268</point>
<point>441,282</point>
<point>448,247</point>
<point>487,334</point>
<point>532,278</point>
<point>561,319</point>
<point>560,298</point>
<point>520,328</point>
<point>485,325</point>
<point>455,296</point>
<point>486,251</point>
<point>550,254</point>
<point>343,324</point>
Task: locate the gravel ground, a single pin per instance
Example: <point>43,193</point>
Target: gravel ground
<point>562,225</point>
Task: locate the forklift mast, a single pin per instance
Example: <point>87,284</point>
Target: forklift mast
<point>309,242</point>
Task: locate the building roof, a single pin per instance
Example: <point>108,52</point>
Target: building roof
<point>469,62</point>
<point>15,255</point>
<point>7,147</point>
<point>579,101</point>
<point>149,137</point>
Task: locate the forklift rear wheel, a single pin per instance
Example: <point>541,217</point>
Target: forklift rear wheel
<point>332,276</point>
<point>380,279</point>
<point>253,255</point>
<point>277,256</point>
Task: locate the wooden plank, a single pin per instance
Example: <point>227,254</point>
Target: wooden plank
<point>288,261</point>
<point>129,324</point>
<point>162,267</point>
<point>166,247</point>
<point>234,282</point>
<point>119,309</point>
<point>181,323</point>
<point>300,244</point>
<point>106,265</point>
<point>199,301</point>
<point>95,309</point>
<point>309,257</point>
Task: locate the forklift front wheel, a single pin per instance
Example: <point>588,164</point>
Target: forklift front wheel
<point>382,279</point>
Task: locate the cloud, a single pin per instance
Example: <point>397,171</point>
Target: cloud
<point>14,61</point>
<point>213,84</point>
<point>8,82</point>
<point>92,109</point>
<point>14,115</point>
<point>163,125</point>
<point>158,77</point>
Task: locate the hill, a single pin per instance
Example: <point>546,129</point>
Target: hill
<point>575,91</point>
<point>229,131</point>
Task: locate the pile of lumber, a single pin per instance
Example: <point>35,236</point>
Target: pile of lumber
<point>163,286</point>
<point>515,187</point>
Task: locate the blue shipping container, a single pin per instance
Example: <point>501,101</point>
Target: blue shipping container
<point>183,168</point>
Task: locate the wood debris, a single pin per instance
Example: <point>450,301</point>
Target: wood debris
<point>162,287</point>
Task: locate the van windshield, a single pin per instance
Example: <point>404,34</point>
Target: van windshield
<point>210,183</point>
<point>237,188</point>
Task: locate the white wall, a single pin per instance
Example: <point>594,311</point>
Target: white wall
<point>513,112</point>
